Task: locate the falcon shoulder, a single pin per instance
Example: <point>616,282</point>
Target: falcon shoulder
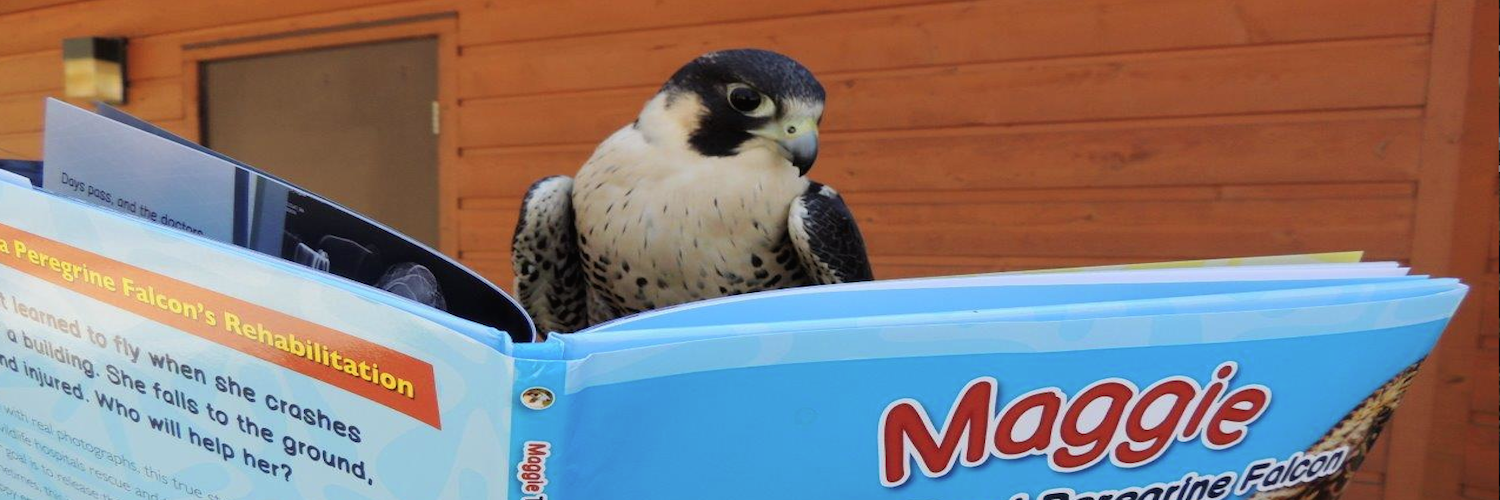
<point>826,237</point>
<point>544,253</point>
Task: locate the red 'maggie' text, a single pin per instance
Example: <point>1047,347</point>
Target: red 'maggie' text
<point>1109,418</point>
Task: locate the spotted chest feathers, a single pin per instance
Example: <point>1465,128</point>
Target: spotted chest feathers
<point>655,233</point>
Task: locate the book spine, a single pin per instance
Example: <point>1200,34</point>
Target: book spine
<point>539,418</point>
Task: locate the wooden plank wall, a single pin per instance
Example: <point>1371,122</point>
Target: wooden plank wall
<point>972,135</point>
<point>1461,109</point>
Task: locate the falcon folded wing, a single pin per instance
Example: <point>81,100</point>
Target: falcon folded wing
<point>826,238</point>
<point>544,252</point>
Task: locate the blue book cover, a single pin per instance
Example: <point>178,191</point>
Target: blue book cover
<point>142,360</point>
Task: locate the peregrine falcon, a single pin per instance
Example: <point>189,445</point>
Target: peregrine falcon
<point>704,195</point>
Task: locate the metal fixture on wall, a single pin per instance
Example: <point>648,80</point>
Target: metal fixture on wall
<point>94,69</point>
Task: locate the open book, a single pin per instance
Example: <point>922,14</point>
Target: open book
<point>146,359</point>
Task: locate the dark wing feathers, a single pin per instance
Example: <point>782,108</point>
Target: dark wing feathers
<point>826,237</point>
<point>544,252</point>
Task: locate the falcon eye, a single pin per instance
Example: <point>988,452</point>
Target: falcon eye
<point>744,99</point>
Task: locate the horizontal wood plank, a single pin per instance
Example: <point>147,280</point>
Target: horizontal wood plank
<point>36,30</point>
<point>1139,229</point>
<point>162,55</point>
<point>1396,190</point>
<point>1378,73</point>
<point>491,22</point>
<point>1282,192</point>
<point>1364,490</point>
<point>21,113</point>
<point>31,73</point>
<point>1392,190</point>
<point>508,173</point>
<point>1083,229</point>
<point>967,197</point>
<point>12,6</point>
<point>43,71</point>
<point>487,230</point>
<point>159,100</point>
<point>496,269</point>
<point>26,146</point>
<point>1339,148</point>
<point>1473,493</point>
<point>930,35</point>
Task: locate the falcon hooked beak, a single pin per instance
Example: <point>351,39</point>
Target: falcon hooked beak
<point>796,138</point>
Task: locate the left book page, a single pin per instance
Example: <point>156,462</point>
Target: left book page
<point>116,161</point>
<point>138,361</point>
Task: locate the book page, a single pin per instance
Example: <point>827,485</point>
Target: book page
<point>141,362</point>
<point>125,164</point>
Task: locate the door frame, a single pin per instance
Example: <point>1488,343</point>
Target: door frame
<point>441,26</point>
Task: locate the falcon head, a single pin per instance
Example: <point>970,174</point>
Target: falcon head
<point>735,101</point>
